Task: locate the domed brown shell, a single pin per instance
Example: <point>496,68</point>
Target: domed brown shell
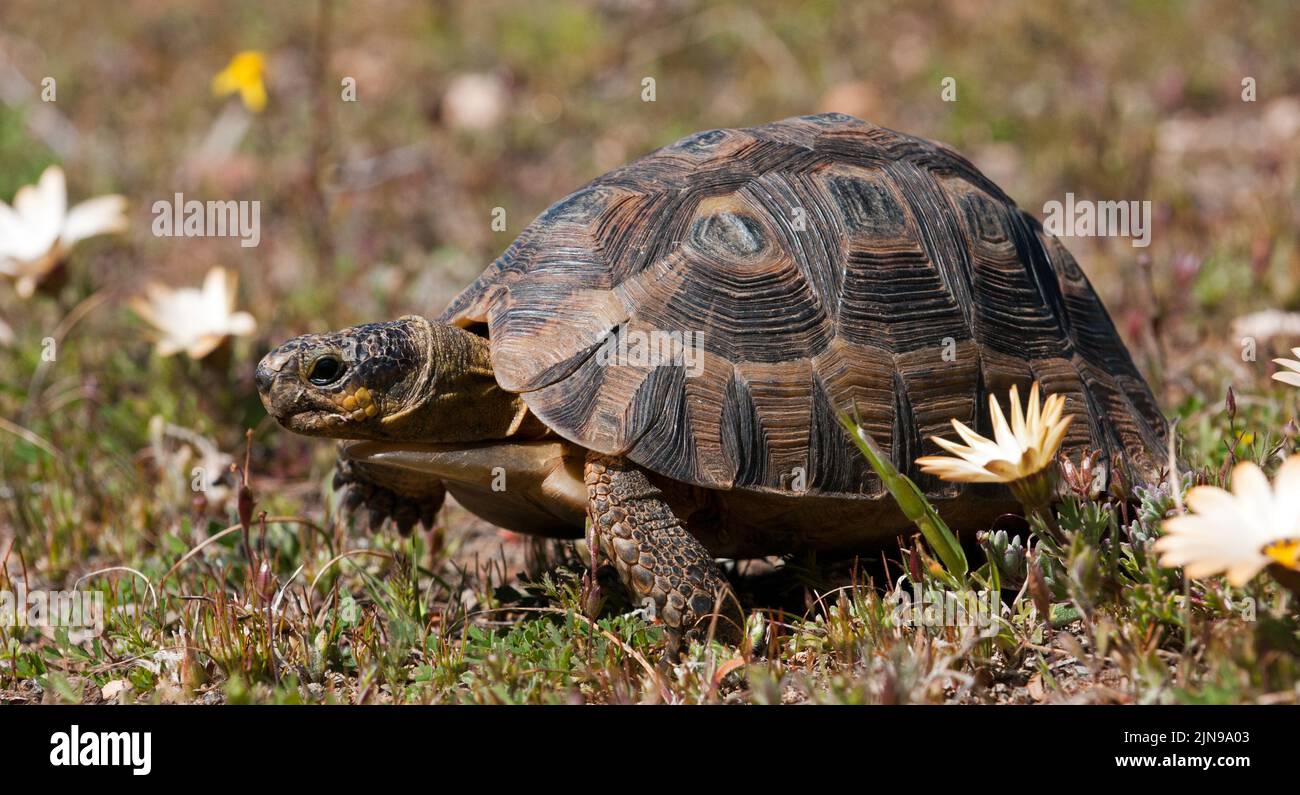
<point>827,263</point>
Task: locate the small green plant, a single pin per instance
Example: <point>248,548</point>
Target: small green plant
<point>913,504</point>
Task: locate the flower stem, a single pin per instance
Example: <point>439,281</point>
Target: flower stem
<point>1036,493</point>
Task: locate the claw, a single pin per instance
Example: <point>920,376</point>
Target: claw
<point>381,507</point>
<point>405,516</point>
<point>381,503</point>
<point>356,495</point>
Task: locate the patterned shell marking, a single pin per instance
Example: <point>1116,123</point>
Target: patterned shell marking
<point>825,264</point>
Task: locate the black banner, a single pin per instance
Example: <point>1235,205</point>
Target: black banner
<point>296,745</point>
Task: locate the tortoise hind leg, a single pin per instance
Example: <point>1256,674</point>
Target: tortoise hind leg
<point>654,555</point>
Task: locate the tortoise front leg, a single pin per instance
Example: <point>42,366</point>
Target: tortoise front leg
<point>656,558</point>
<point>388,493</point>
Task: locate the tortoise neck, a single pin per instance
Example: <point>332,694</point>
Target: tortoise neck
<point>459,399</point>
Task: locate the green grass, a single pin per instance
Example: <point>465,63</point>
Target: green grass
<point>344,617</point>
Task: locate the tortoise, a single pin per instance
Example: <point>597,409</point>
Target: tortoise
<point>666,351</point>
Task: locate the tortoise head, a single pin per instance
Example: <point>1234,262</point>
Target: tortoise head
<point>405,380</point>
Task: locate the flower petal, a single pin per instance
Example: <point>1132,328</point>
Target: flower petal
<point>97,216</point>
<point>205,345</point>
<point>955,470</point>
<point>1018,415</point>
<point>1052,440</point>
<point>11,233</point>
<point>254,96</point>
<point>1244,571</point>
<point>1250,484</point>
<point>1008,471</point>
<point>1285,521</point>
<point>978,444</point>
<point>961,451</point>
<point>241,324</point>
<point>40,209</point>
<point>1211,500</point>
<point>1001,431</point>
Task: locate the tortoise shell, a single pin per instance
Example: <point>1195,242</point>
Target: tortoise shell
<point>822,264</point>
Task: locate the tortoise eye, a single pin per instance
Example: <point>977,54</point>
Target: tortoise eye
<point>325,370</point>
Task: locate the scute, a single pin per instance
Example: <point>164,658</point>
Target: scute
<point>868,205</point>
<point>728,234</point>
<point>825,265</point>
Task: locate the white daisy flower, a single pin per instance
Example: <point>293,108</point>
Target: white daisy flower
<point>194,320</point>
<point>39,230</point>
<point>1017,451</point>
<point>1238,532</point>
<point>1290,375</point>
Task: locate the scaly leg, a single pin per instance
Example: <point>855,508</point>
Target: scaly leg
<point>656,558</point>
<point>389,492</point>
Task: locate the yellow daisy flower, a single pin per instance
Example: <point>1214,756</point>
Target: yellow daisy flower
<point>244,75</point>
<point>1238,532</point>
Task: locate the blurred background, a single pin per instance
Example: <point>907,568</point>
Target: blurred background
<point>384,205</point>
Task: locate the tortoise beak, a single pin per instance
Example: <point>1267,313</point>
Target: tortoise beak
<point>269,369</point>
<point>263,378</point>
<point>270,379</point>
<point>286,398</point>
